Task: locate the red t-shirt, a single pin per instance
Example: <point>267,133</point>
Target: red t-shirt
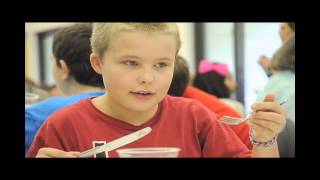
<point>220,108</point>
<point>179,122</point>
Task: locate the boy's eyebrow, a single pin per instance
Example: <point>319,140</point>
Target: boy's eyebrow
<point>137,57</point>
<point>164,59</point>
<point>130,56</point>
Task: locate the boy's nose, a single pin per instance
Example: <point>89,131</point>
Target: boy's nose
<point>146,78</point>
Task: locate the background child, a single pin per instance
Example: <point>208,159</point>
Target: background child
<point>73,74</point>
<point>216,79</point>
<point>136,61</point>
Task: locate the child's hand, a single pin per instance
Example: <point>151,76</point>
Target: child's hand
<point>268,121</point>
<point>56,153</point>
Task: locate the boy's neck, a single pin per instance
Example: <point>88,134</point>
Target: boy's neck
<point>135,118</point>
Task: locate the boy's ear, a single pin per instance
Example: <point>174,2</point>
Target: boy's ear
<point>65,69</point>
<point>95,63</point>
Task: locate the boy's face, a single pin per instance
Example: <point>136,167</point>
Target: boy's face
<point>137,69</point>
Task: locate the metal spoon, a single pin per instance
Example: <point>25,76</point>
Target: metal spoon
<point>237,121</point>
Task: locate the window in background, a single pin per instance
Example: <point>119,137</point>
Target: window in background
<point>187,49</point>
<point>45,52</point>
<point>219,44</point>
<point>27,56</point>
<point>259,39</point>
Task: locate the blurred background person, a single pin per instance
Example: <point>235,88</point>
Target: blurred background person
<point>75,78</point>
<point>286,30</point>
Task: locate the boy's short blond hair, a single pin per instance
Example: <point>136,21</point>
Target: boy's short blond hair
<point>102,33</point>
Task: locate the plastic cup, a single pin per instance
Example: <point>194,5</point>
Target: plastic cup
<point>153,152</point>
<point>31,98</point>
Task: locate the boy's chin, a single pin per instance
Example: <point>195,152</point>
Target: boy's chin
<point>143,107</point>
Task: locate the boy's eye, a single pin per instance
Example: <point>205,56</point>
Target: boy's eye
<point>131,63</point>
<point>161,65</point>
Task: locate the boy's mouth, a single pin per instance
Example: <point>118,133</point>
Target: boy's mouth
<point>143,94</point>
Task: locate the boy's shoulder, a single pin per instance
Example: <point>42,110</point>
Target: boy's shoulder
<point>198,94</point>
<point>71,111</point>
<point>79,105</point>
<point>188,109</point>
<point>183,103</point>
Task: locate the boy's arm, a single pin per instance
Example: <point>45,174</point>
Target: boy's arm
<point>266,122</point>
<point>219,140</point>
<point>56,153</point>
<point>271,151</point>
<point>221,109</point>
<point>49,139</point>
<point>43,143</point>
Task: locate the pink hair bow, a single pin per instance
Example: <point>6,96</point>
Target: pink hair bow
<point>206,66</point>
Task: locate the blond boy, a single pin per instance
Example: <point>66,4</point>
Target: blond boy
<point>136,61</point>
